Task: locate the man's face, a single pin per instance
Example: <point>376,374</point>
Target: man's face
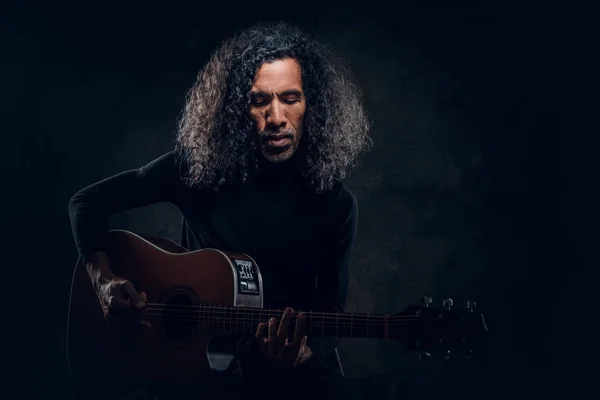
<point>277,106</point>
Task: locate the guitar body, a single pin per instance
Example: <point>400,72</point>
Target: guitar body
<point>109,356</point>
<point>199,304</point>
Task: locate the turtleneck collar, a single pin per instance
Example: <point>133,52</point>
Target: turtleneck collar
<point>278,173</point>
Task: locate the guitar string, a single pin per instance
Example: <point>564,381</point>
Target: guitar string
<point>328,323</point>
<point>240,314</point>
<point>246,319</point>
<point>279,313</point>
<point>253,310</point>
<point>234,314</point>
<point>393,320</point>
<point>214,306</point>
<point>360,330</point>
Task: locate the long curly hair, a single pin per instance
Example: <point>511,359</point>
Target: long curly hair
<point>216,138</point>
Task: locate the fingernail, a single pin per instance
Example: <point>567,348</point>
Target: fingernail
<point>139,304</point>
<point>289,311</point>
<point>272,320</point>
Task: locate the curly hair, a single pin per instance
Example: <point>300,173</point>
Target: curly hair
<point>214,140</point>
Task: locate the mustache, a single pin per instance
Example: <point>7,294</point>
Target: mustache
<point>279,133</point>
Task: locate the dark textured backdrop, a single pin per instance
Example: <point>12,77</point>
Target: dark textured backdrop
<point>461,196</point>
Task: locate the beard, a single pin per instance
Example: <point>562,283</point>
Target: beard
<point>278,145</point>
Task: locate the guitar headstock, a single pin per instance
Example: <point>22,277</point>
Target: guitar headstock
<point>448,329</point>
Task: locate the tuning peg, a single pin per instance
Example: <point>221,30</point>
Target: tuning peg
<point>427,301</point>
<point>470,305</point>
<point>469,354</point>
<point>448,303</point>
<point>424,355</point>
<point>447,355</point>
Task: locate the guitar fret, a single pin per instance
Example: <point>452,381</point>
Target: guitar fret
<point>248,325</point>
<point>199,320</point>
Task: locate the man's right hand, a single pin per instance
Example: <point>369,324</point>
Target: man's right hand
<point>119,299</point>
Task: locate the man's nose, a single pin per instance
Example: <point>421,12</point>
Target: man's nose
<point>275,115</point>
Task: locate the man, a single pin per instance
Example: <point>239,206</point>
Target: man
<point>269,130</point>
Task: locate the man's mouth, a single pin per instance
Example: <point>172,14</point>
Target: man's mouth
<point>279,140</point>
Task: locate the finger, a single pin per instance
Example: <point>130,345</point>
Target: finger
<point>299,332</point>
<point>144,297</point>
<point>261,336</point>
<point>145,324</point>
<point>117,302</point>
<point>133,295</point>
<point>284,326</point>
<point>305,351</point>
<point>272,339</point>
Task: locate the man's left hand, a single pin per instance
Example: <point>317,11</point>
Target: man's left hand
<point>275,344</point>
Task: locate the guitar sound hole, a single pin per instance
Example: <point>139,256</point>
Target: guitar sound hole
<point>180,316</point>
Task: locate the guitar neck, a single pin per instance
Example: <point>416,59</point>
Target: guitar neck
<point>238,320</point>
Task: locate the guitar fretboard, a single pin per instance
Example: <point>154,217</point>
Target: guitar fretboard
<point>238,320</point>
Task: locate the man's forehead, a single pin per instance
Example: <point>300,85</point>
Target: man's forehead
<point>278,76</point>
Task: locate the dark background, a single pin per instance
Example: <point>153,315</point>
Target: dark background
<point>473,189</point>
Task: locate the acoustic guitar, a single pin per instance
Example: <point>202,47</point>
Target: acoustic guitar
<point>196,297</point>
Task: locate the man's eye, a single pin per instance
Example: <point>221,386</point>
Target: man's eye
<point>258,100</point>
<point>291,101</point>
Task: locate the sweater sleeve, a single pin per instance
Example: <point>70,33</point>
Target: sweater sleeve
<point>89,209</point>
<point>333,273</point>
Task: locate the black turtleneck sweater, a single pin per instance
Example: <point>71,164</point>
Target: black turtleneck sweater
<point>294,234</point>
